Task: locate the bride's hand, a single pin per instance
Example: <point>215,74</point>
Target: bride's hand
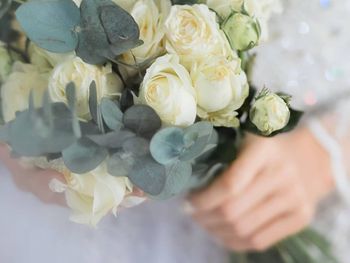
<point>270,192</point>
<point>32,179</point>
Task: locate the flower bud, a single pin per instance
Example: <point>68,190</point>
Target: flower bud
<point>270,113</point>
<point>242,31</point>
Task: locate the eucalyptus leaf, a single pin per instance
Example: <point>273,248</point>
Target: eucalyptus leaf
<point>148,175</point>
<point>142,120</point>
<point>121,28</point>
<point>120,164</point>
<point>137,146</point>
<point>84,156</point>
<point>167,145</point>
<point>93,45</point>
<point>112,115</point>
<point>93,103</point>
<point>71,98</point>
<point>197,139</point>
<point>30,135</point>
<point>50,24</point>
<point>4,7</point>
<point>114,139</point>
<point>178,177</point>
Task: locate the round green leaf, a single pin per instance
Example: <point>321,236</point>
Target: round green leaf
<point>142,120</point>
<point>197,138</point>
<point>122,30</point>
<point>167,145</point>
<point>120,164</point>
<point>148,175</point>
<point>93,46</point>
<point>178,179</point>
<point>84,156</point>
<point>112,140</point>
<point>50,23</point>
<point>112,115</point>
<point>137,146</point>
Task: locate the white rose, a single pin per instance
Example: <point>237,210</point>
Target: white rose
<point>93,195</point>
<point>45,60</point>
<point>167,88</point>
<point>150,17</point>
<point>16,90</point>
<point>108,84</point>
<point>270,113</point>
<point>221,89</point>
<point>193,33</point>
<point>5,63</point>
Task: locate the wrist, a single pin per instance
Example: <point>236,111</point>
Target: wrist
<point>315,160</point>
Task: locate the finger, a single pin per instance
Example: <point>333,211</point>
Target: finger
<point>266,185</point>
<point>266,212</point>
<point>231,183</point>
<point>281,229</point>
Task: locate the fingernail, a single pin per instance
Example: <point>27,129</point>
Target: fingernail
<point>188,208</point>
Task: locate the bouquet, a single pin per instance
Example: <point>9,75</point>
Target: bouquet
<point>141,94</point>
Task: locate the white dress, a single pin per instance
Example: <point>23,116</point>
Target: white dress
<point>308,56</point>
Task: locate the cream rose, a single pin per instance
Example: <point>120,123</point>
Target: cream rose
<point>150,16</point>
<point>16,90</point>
<point>93,195</point>
<point>270,113</point>
<point>193,33</point>
<point>108,84</point>
<point>45,60</point>
<point>167,88</point>
<point>221,89</point>
<point>5,63</point>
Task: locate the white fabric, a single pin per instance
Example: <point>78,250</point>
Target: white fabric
<point>307,56</point>
<point>341,178</point>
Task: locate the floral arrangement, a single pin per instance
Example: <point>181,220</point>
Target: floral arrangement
<point>146,94</point>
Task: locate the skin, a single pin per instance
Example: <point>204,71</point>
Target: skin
<point>269,193</point>
<point>31,179</point>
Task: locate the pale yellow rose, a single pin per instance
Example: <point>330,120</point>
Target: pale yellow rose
<point>150,16</point>
<point>270,113</point>
<point>193,33</point>
<point>15,91</point>
<point>108,84</point>
<point>93,195</point>
<point>45,60</point>
<point>167,88</point>
<point>5,63</point>
<point>221,89</point>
